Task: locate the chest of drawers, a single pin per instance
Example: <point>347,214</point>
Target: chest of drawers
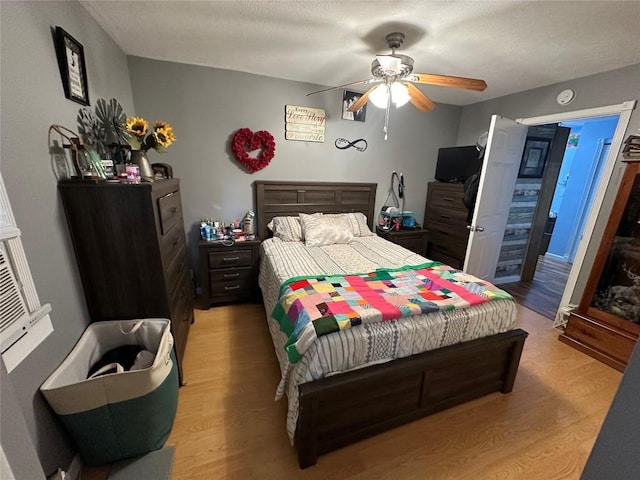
<point>228,273</point>
<point>131,251</point>
<point>446,220</point>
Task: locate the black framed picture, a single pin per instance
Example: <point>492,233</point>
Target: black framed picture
<point>348,99</point>
<point>534,157</point>
<point>72,67</point>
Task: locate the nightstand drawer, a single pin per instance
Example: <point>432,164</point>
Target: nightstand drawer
<point>230,258</point>
<point>242,286</point>
<point>230,274</point>
<point>415,244</point>
<point>440,254</point>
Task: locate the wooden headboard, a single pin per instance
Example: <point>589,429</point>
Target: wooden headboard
<point>273,199</point>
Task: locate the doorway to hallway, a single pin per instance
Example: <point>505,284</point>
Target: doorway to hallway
<point>543,293</point>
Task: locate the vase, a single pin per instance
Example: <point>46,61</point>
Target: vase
<point>139,158</point>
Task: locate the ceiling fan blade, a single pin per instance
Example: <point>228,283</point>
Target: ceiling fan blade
<point>358,104</point>
<point>360,82</point>
<point>419,99</point>
<point>448,81</point>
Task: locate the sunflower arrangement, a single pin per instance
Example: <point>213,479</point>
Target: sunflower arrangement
<point>159,139</point>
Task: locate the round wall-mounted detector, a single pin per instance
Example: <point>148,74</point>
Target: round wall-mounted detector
<point>565,97</point>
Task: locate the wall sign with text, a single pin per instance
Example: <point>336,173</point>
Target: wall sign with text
<point>73,69</point>
<point>304,124</point>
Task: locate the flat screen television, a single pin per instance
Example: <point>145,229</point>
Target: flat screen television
<point>456,164</point>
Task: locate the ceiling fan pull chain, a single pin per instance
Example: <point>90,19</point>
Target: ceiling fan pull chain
<point>386,116</point>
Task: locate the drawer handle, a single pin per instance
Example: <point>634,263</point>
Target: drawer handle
<point>230,259</point>
<point>174,209</point>
<point>447,199</point>
<point>235,287</point>
<point>231,275</point>
<point>177,240</point>
<point>444,216</point>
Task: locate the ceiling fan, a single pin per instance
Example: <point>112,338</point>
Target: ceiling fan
<point>394,82</point>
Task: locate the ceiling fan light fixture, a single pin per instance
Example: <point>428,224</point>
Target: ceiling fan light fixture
<point>399,94</point>
<point>380,96</point>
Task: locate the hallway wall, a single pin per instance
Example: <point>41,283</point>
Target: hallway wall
<point>578,185</point>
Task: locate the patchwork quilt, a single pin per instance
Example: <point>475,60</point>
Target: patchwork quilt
<point>312,306</point>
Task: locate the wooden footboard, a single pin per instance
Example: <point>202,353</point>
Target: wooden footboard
<point>343,409</point>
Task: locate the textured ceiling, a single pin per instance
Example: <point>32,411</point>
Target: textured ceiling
<point>512,45</point>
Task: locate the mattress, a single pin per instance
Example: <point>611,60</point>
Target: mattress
<point>368,344</point>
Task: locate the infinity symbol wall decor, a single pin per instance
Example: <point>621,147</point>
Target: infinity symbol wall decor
<point>343,144</point>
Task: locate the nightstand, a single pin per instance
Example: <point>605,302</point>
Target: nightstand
<point>228,273</point>
<point>414,240</point>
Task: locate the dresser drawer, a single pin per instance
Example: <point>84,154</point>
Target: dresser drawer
<point>181,297</point>
<point>447,215</point>
<point>448,233</point>
<point>173,241</point>
<point>447,197</point>
<point>451,246</point>
<point>177,267</point>
<point>600,338</point>
<point>230,258</point>
<point>170,210</point>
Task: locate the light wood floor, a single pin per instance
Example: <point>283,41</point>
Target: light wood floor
<point>229,427</point>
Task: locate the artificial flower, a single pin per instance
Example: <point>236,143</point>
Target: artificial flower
<point>159,139</point>
<point>244,139</point>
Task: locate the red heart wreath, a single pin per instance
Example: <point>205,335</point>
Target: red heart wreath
<point>245,141</point>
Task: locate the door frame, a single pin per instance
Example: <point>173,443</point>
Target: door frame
<point>624,110</point>
<point>597,165</point>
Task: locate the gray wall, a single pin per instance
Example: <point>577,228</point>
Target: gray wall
<point>207,105</point>
<point>608,88</point>
<point>31,100</point>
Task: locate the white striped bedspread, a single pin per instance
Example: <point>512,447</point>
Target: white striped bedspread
<point>368,344</point>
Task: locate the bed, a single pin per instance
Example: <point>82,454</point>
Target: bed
<point>331,403</point>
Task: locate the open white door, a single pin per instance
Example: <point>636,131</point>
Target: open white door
<point>500,168</point>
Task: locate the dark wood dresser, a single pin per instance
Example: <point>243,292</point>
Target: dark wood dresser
<point>130,246</point>
<point>414,240</point>
<point>446,220</point>
<point>228,273</point>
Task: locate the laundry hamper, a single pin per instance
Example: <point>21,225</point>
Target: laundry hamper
<point>117,415</point>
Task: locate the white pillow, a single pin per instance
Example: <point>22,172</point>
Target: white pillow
<point>357,222</point>
<point>287,229</point>
<point>319,231</point>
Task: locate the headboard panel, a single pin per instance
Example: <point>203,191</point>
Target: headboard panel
<point>273,199</point>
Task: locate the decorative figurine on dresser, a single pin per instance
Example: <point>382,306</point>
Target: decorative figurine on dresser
<point>606,324</point>
<point>130,246</point>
